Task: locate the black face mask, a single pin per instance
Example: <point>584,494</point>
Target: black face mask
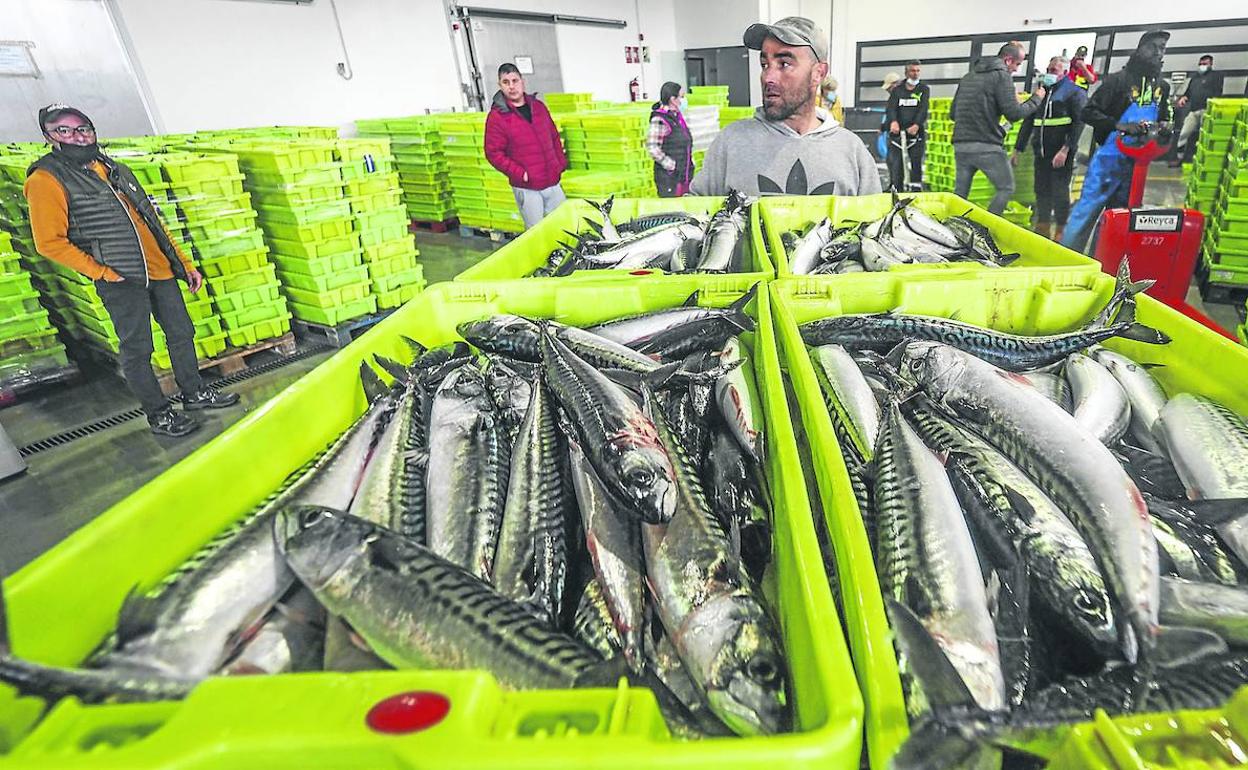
<point>79,153</point>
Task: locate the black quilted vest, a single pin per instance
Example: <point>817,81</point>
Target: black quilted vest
<point>677,145</point>
<point>99,223</point>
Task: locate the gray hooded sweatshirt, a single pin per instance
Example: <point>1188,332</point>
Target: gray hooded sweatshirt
<point>767,157</point>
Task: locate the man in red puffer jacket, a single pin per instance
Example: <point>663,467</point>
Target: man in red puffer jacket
<point>522,142</point>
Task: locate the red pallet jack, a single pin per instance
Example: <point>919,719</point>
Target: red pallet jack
<point>1161,244</point>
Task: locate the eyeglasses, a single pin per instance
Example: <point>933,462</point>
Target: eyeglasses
<point>71,130</point>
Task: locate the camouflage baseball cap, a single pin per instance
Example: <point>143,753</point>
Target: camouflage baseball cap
<point>791,30</point>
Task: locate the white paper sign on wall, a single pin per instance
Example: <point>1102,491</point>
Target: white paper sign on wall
<point>16,59</point>
<point>524,64</point>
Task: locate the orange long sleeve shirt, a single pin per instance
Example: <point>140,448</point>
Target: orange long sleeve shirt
<point>49,223</point>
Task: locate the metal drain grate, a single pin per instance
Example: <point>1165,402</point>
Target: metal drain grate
<point>112,421</point>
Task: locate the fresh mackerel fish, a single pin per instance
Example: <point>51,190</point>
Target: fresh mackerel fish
<point>1012,352</point>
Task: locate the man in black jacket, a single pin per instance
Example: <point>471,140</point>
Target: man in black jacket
<point>1054,135</point>
<point>984,96</point>
<point>1202,85</point>
<point>907,112</point>
<point>1129,102</point>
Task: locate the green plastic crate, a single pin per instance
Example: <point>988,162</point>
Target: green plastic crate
<point>242,299</point>
<point>1017,301</point>
<point>31,322</point>
<point>183,168</point>
<point>320,176</point>
<point>382,284</point>
<point>372,185</point>
<point>304,215</point>
<point>382,219</point>
<point>334,280</point>
<point>396,297</point>
<point>18,305</point>
<point>246,241</point>
<point>313,249</point>
<point>205,347</point>
<point>313,232</point>
<point>202,308</point>
<point>294,156</point>
<point>399,247</point>
<point>353,172</point>
<point>780,215</point>
<point>329,298</point>
<point>235,263</point>
<point>228,284</point>
<point>1195,740</point>
<point>351,150</point>
<point>332,316</point>
<point>264,330</point>
<point>385,233</point>
<point>375,203</point>
<point>191,191</point>
<point>382,267</point>
<point>254,314</point>
<point>14,284</point>
<point>289,197</point>
<point>244,721</point>
<point>28,342</point>
<point>530,251</point>
<point>318,266</point>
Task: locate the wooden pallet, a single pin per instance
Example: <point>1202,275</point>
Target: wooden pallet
<point>498,236</point>
<point>341,335</point>
<point>232,360</point>
<point>444,226</point>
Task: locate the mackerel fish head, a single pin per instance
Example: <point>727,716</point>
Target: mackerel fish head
<point>934,365</point>
<point>746,687</point>
<point>318,541</point>
<point>643,473</point>
<point>504,334</point>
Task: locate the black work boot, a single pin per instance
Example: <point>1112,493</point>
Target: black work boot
<point>208,399</point>
<point>167,422</point>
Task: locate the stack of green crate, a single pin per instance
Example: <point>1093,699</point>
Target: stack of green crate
<point>615,142</point>
<point>1216,131</point>
<point>733,114</point>
<point>29,348</point>
<point>15,221</point>
<point>568,102</point>
<point>1224,146</point>
<point>483,196</point>
<point>708,95</point>
<point>228,245</point>
<point>420,162</point>
<point>308,225</point>
<point>940,168</point>
<point>381,221</point>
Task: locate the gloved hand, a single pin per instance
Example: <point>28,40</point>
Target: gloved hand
<point>1132,129</point>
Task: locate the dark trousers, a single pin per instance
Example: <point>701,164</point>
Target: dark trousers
<point>896,164</point>
<point>1053,190</point>
<point>131,306</point>
<point>996,166</point>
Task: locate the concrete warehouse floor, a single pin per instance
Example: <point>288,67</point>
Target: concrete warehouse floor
<point>68,485</point>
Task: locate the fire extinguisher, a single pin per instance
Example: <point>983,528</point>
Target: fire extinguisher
<point>634,90</point>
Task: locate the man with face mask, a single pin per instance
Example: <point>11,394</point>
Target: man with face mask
<point>1129,102</point>
<point>1054,134</point>
<point>89,213</point>
<point>984,96</point>
<point>1202,85</point>
<point>792,146</point>
<point>907,112</point>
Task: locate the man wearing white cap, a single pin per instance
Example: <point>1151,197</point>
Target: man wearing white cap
<point>792,146</point>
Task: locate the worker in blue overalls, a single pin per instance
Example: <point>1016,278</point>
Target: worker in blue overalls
<point>1127,103</point>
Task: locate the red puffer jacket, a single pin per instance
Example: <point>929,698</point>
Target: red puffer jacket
<point>516,146</point>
